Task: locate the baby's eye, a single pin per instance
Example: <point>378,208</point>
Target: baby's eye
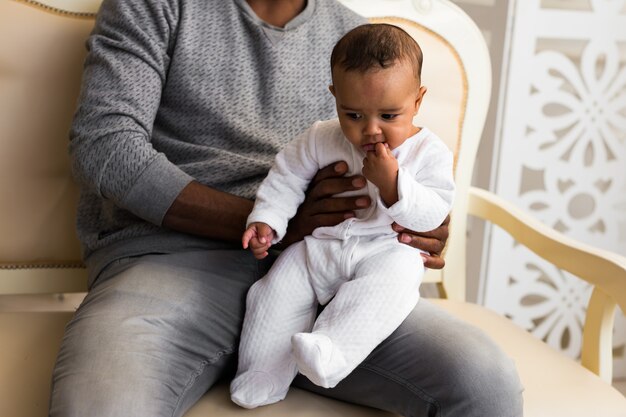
<point>388,116</point>
<point>354,116</point>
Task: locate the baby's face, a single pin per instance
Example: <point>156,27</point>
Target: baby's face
<point>377,106</point>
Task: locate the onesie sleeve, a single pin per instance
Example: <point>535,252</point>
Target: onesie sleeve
<point>283,190</point>
<point>424,200</point>
<point>110,138</point>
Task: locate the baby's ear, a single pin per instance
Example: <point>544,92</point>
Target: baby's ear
<point>421,93</point>
<point>420,96</point>
<point>331,88</point>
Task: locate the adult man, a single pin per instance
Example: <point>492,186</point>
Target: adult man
<point>183,106</point>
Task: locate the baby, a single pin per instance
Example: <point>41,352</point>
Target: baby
<point>367,279</point>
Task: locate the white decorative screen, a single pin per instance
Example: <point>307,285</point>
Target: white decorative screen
<point>560,154</point>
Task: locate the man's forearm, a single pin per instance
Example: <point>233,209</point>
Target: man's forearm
<point>204,211</point>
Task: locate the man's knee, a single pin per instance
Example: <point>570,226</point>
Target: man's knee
<point>131,372</point>
<point>145,346</point>
<point>483,381</point>
<point>453,368</point>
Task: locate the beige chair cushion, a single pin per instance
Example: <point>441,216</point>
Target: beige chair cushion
<point>555,385</point>
<point>28,348</point>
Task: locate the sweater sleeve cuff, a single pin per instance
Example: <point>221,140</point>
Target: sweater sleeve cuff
<point>156,189</point>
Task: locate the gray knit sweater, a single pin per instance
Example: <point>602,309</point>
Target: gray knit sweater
<point>175,90</point>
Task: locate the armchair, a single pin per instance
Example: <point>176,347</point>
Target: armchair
<point>41,53</point>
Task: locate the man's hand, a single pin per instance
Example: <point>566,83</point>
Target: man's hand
<point>432,242</point>
<point>320,208</point>
<point>259,237</point>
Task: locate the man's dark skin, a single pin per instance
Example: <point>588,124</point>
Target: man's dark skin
<point>204,211</point>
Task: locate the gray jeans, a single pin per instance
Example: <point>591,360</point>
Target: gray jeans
<point>156,332</point>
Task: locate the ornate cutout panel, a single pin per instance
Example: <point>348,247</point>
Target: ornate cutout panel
<point>560,154</point>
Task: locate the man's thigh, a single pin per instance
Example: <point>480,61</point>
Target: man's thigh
<point>433,365</point>
<point>153,334</point>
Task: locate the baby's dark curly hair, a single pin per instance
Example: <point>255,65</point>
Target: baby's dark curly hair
<point>376,46</point>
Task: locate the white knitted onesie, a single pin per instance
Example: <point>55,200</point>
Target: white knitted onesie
<point>373,278</point>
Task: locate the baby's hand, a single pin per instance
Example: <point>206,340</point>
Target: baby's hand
<point>381,168</point>
<point>259,237</point>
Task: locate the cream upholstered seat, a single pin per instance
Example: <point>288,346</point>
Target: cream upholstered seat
<point>41,53</point>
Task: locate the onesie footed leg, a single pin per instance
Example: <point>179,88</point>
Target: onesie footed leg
<point>318,359</point>
<point>255,388</point>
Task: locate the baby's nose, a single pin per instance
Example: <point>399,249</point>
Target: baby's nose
<point>371,129</point>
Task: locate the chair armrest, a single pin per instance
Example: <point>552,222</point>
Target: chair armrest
<point>605,270</point>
